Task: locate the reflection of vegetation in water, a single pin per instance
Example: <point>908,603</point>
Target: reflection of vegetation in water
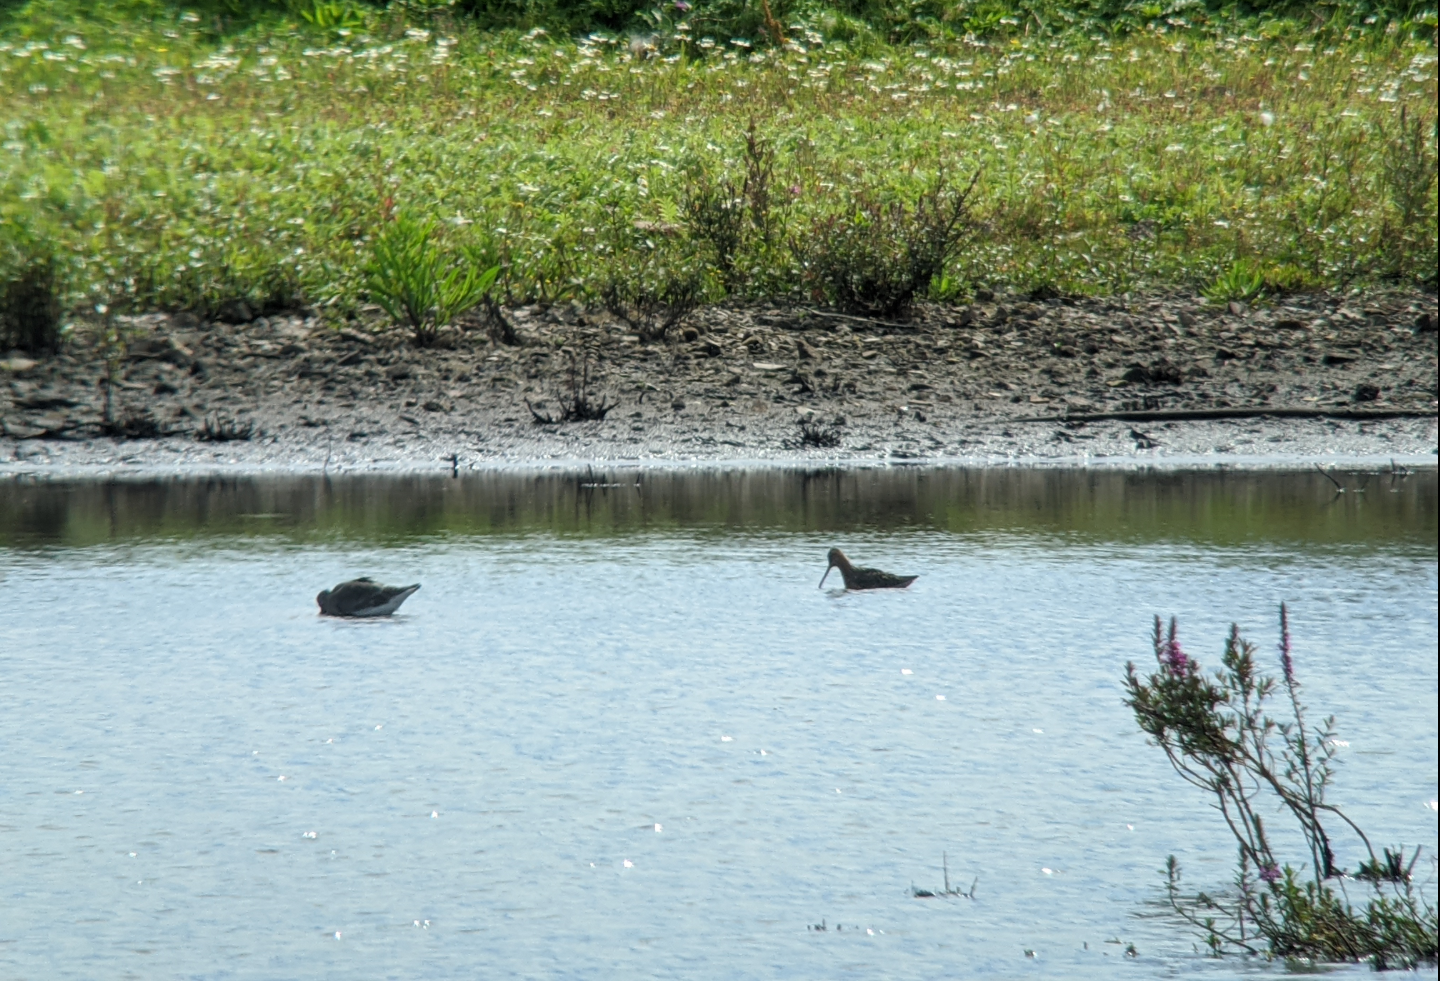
<point>1213,506</point>
<point>1218,734</point>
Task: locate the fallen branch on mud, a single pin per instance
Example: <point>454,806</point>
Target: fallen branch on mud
<point>858,320</point>
<point>1232,412</point>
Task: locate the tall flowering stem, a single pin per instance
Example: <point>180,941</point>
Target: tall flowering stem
<point>1287,663</point>
<point>1218,734</point>
<point>1301,766</point>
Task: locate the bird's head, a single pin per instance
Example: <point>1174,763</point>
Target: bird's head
<point>837,558</point>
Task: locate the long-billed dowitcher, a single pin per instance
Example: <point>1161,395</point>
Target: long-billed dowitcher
<point>856,578</point>
<point>363,597</point>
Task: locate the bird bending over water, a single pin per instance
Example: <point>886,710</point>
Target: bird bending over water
<point>856,578</point>
<point>363,597</point>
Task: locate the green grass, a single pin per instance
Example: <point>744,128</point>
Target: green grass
<point>171,167</point>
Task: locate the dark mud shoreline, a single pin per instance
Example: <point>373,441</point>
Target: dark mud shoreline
<point>1119,381</point>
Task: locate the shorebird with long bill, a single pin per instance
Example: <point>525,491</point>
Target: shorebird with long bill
<point>858,578</point>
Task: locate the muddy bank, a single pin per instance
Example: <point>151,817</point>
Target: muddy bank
<point>746,382</point>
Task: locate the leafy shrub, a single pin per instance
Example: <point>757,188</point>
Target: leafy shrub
<point>417,284</point>
<point>30,304</point>
<point>1219,735</point>
<point>1408,173</point>
<point>715,214</point>
<point>876,257</point>
<point>654,305</point>
<point>732,217</point>
<point>654,280</point>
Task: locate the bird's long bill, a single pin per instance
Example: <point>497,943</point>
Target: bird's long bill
<point>824,577</point>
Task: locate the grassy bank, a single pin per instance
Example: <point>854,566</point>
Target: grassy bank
<point>167,167</point>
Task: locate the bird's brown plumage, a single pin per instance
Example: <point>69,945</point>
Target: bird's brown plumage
<point>859,578</point>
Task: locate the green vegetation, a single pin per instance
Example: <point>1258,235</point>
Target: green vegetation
<point>30,310</point>
<point>1218,733</point>
<point>417,284</point>
<point>176,158</point>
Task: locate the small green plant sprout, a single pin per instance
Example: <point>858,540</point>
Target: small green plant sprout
<point>875,257</point>
<point>947,889</point>
<point>1243,281</point>
<point>328,15</point>
<point>223,429</point>
<point>946,289</point>
<point>135,424</point>
<point>417,284</point>
<point>577,405</point>
<point>1219,735</point>
<point>112,341</point>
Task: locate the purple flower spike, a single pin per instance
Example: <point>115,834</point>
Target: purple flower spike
<point>682,6</point>
<point>1270,873</point>
<point>1286,663</point>
<point>1170,654</point>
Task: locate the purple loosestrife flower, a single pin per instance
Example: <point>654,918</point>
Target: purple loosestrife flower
<point>682,6</point>
<point>1168,652</point>
<point>1175,658</point>
<point>1286,662</point>
<point>1270,873</point>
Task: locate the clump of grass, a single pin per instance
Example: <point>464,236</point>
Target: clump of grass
<point>1218,733</point>
<point>877,256</point>
<point>31,310</point>
<point>222,429</point>
<point>419,285</point>
<point>135,424</point>
<point>1243,281</point>
<point>818,435</point>
<point>577,405</point>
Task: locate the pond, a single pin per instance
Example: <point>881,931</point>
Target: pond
<point>619,732</point>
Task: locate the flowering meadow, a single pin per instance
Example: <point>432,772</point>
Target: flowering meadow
<point>176,167</point>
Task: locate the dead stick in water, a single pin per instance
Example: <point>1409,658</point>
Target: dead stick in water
<point>1233,412</point>
<point>1339,487</point>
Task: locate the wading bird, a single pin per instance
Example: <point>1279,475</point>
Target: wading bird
<point>363,597</point>
<point>863,578</point>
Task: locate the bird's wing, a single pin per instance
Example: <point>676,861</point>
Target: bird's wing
<point>359,594</point>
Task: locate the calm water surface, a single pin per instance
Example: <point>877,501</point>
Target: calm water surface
<point>620,733</point>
